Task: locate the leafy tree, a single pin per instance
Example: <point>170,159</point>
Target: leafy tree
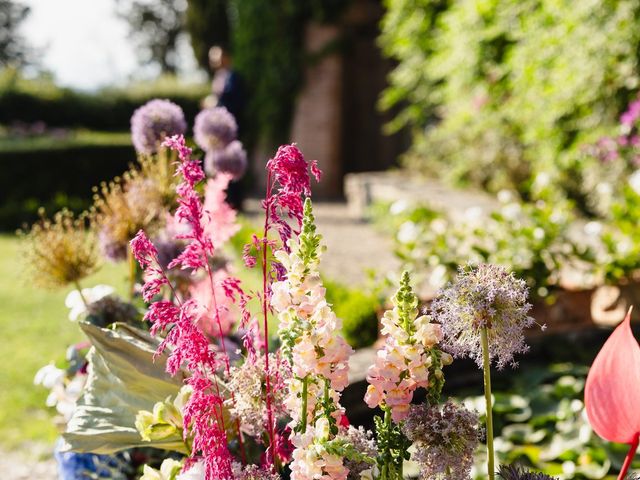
<point>13,48</point>
<point>207,23</point>
<point>156,26</point>
<point>499,91</point>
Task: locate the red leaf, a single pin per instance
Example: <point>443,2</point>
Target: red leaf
<point>612,391</point>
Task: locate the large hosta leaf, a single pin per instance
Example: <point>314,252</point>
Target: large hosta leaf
<point>612,391</point>
<point>123,378</point>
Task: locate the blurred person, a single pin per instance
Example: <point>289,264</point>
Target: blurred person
<point>228,91</point>
<point>227,86</point>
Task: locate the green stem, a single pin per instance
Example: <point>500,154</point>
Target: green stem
<point>82,297</point>
<point>487,396</point>
<point>305,388</point>
<point>384,474</point>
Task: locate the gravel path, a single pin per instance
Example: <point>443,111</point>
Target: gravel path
<point>353,246</point>
<point>32,462</point>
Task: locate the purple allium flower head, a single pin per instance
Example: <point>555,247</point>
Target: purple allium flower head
<point>231,159</point>
<point>364,443</point>
<point>214,128</point>
<point>445,437</point>
<point>112,249</point>
<point>154,121</point>
<point>515,472</point>
<point>484,296</point>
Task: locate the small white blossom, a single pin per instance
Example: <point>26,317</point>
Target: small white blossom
<point>76,305</point>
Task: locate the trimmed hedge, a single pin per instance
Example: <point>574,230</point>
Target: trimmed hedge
<point>30,101</point>
<point>55,178</point>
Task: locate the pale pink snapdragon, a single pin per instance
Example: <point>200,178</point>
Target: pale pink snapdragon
<point>318,355</point>
<point>402,364</point>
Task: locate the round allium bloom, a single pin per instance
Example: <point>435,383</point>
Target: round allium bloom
<point>214,128</point>
<point>231,160</point>
<point>154,121</point>
<point>59,251</point>
<point>111,309</point>
<point>363,443</point>
<point>484,296</point>
<point>445,437</point>
<point>515,472</point>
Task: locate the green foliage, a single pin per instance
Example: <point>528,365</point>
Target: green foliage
<point>13,48</point>
<point>36,329</point>
<point>267,41</point>
<point>539,422</point>
<point>500,91</point>
<point>532,240</point>
<point>309,239</point>
<point>358,311</point>
<point>622,237</point>
<point>393,447</point>
<point>67,168</point>
<point>208,25</point>
<point>268,45</point>
<point>156,28</point>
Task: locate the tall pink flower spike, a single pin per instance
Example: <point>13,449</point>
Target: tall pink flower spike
<point>612,391</point>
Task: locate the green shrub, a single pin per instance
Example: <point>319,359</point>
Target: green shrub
<point>358,311</point>
<point>40,100</point>
<point>500,90</point>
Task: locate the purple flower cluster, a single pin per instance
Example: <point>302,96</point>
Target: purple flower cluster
<point>214,128</point>
<point>363,442</point>
<point>215,131</point>
<point>231,159</point>
<point>445,438</point>
<point>515,472</point>
<point>154,121</point>
<point>484,296</point>
<point>632,114</point>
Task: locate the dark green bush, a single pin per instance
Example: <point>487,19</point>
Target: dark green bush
<point>55,177</point>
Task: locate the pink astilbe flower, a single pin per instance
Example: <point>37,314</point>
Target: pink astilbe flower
<point>221,223</point>
<point>289,182</point>
<point>208,317</point>
<point>190,347</point>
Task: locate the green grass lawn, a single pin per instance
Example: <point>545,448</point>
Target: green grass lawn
<point>36,330</point>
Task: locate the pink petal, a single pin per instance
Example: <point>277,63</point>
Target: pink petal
<point>612,391</point>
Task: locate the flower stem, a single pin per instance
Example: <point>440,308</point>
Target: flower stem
<point>271,457</point>
<point>82,297</point>
<point>629,458</point>
<point>305,392</point>
<point>487,396</point>
<point>384,474</point>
